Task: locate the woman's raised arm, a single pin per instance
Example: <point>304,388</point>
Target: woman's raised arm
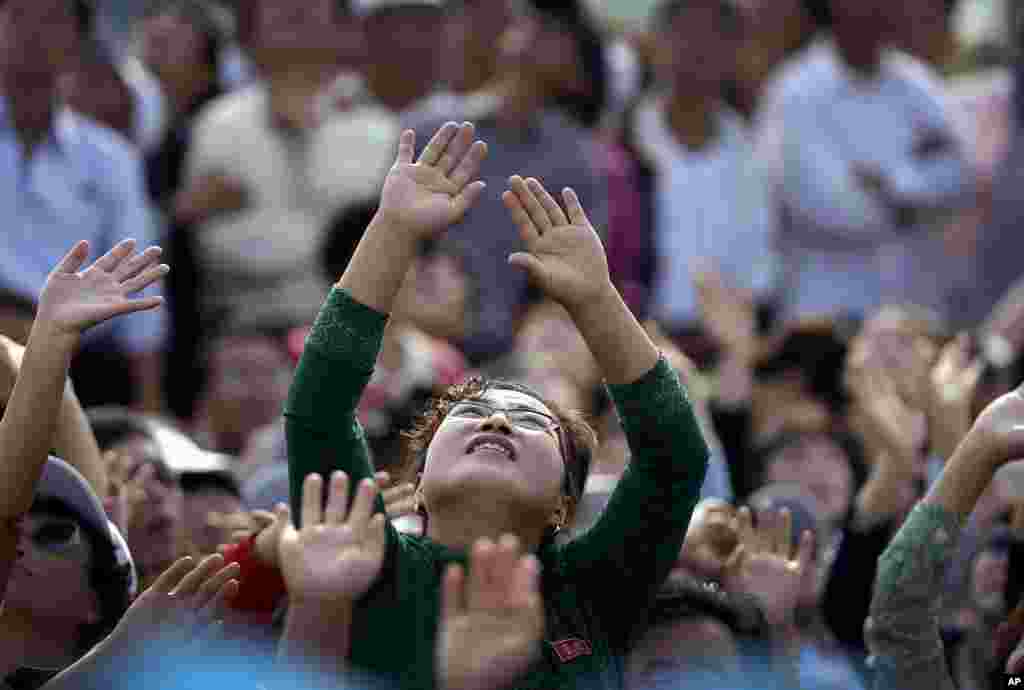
<point>420,200</point>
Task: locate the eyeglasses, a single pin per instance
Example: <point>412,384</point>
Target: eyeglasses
<point>528,419</point>
<point>56,536</point>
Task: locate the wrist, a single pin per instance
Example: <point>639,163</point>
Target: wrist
<point>54,334</point>
<point>596,304</point>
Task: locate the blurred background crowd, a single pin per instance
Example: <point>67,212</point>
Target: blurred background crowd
<point>813,205</point>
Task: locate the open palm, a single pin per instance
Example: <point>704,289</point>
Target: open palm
<point>427,196</point>
<point>564,255</point>
<point>332,558</point>
<point>491,626</point>
<point>74,300</point>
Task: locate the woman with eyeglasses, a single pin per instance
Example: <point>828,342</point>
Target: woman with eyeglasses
<point>493,458</point>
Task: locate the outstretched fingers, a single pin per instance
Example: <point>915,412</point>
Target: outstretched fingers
<point>312,500</point>
<point>528,231</point>
<point>362,507</point>
<point>457,149</point>
<point>541,220</point>
<point>337,499</point>
<point>406,147</point>
<point>577,216</point>
<point>145,279</point>
<point>112,259</point>
<point>550,206</point>
<point>171,577</point>
<point>469,165</point>
<point>74,259</point>
<point>453,592</point>
<point>438,144</point>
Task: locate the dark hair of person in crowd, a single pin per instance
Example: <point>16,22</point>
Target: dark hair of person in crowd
<point>572,16</point>
<point>214,480</point>
<point>109,580</point>
<point>667,11</point>
<point>245,17</point>
<point>577,439</point>
<point>85,15</point>
<point>197,14</point>
<point>846,442</point>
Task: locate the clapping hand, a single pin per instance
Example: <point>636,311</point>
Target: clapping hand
<point>183,602</point>
<point>491,621</point>
<point>954,382</point>
<point>427,196</point>
<point>74,300</point>
<point>764,565</point>
<point>564,256</point>
<point>728,313</point>
<point>337,554</point>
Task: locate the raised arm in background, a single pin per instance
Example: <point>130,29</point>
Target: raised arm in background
<point>72,301</point>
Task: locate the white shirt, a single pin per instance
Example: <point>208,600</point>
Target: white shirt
<point>710,205</point>
<point>263,263</point>
<point>841,248</point>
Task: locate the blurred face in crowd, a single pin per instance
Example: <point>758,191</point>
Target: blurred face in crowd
<point>248,384</point>
<point>544,52</point>
<point>203,535</point>
<point>863,23</point>
<point>95,89</point>
<point>989,575</point>
<point>470,50</point>
<point>295,31</point>
<point>695,51</point>
<point>821,468</point>
<point>49,585</point>
<point>404,53</point>
<point>154,535</point>
<point>38,38</point>
<point>702,646</point>
<point>528,475</point>
<point>173,47</point>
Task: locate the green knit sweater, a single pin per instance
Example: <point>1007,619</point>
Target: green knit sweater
<point>596,588</point>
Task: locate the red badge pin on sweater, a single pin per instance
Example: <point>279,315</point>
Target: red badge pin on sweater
<point>571,648</point>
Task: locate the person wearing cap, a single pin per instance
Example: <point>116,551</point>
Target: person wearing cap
<point>272,165</point>
<point>403,54</point>
<point>69,178</point>
<point>73,580</point>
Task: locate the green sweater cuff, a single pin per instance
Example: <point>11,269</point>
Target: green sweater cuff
<point>347,329</point>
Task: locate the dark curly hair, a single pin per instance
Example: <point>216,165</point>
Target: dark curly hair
<point>577,439</point>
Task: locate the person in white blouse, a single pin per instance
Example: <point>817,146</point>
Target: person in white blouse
<point>865,160</point>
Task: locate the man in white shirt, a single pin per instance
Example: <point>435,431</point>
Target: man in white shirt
<point>865,161</point>
<point>273,163</point>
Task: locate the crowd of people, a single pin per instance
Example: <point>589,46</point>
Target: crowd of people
<point>478,345</point>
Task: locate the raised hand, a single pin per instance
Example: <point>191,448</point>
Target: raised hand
<point>954,380</point>
<point>765,567</point>
<point>491,626</point>
<point>75,300</point>
<point>564,256</point>
<point>337,555</point>
<point>183,602</point>
<point>426,197</point>
<point>267,527</point>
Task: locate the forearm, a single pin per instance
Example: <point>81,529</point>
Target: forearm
<point>317,639</point>
<point>76,443</point>
<point>964,479</point>
<point>29,425</point>
<point>623,350</point>
<point>903,630</point>
<point>379,265</point>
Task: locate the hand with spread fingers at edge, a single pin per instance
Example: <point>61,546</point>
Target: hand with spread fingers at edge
<point>764,565</point>
<point>492,619</point>
<point>954,381</point>
<point>74,299</point>
<point>399,497</point>
<point>338,554</point>
<point>183,602</point>
<point>564,256</point>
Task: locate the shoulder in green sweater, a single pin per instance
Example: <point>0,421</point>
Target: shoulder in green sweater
<point>596,588</point>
